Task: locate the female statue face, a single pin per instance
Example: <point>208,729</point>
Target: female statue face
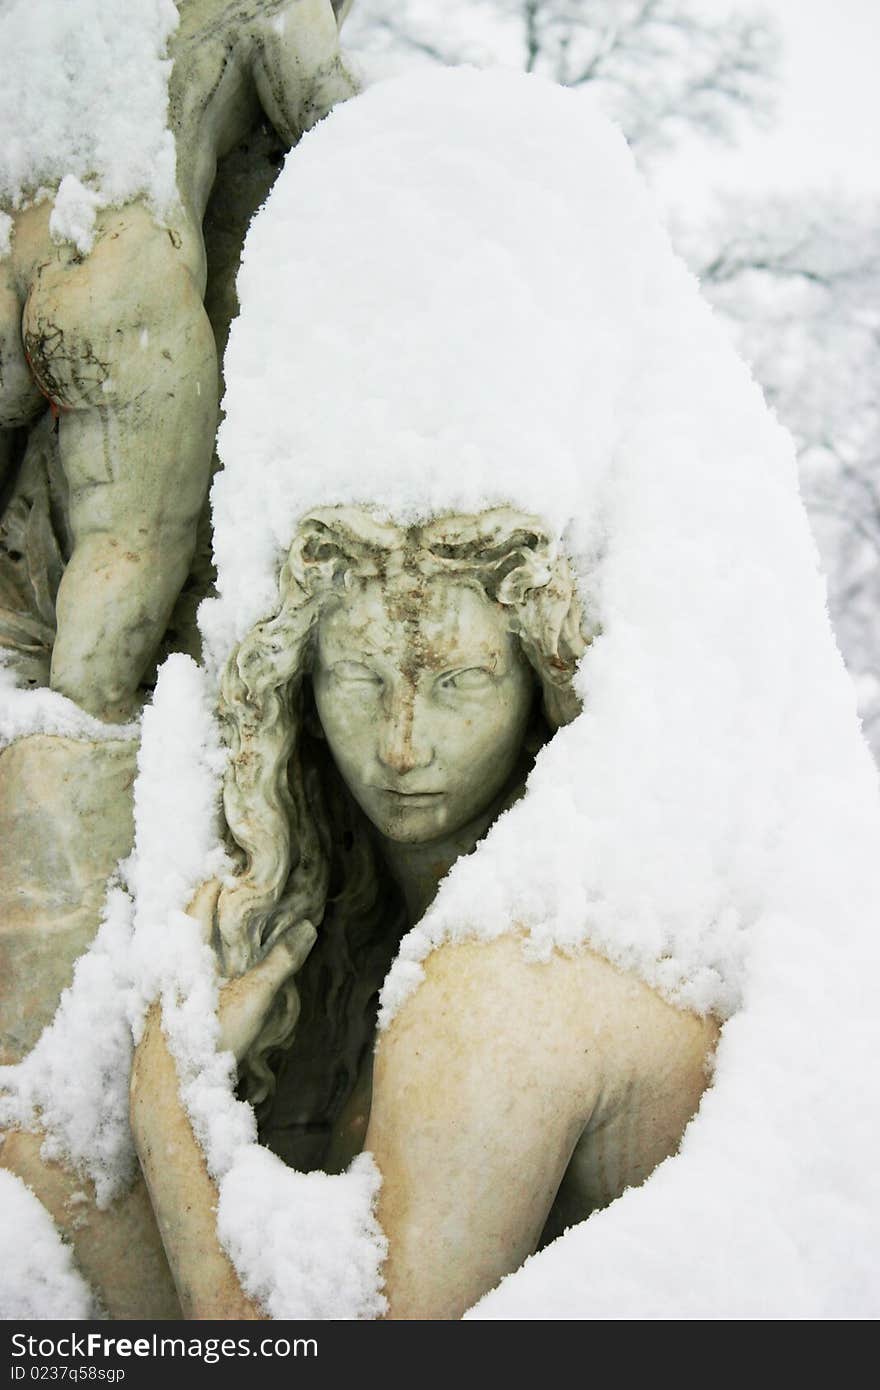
<point>424,697</point>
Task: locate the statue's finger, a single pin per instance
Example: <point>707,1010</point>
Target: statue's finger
<point>204,904</point>
<point>262,981</point>
<point>245,1001</point>
<point>290,951</point>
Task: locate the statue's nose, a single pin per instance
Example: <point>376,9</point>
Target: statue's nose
<point>404,737</point>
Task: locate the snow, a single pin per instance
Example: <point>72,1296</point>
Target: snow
<point>601,394</point>
<point>420,431</point>
<point>325,1251</point>
<point>74,213</point>
<point>769,1211</point>
<point>38,1279</point>
<point>177,837</point>
<point>83,100</point>
<point>305,1245</point>
<point>24,711</point>
<point>487,312</point>
<point>458,296</point>
<point>73,1085</point>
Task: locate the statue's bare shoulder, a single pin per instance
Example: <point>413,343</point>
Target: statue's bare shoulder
<point>502,1077</point>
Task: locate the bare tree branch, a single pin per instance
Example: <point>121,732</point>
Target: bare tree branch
<point>703,73</point>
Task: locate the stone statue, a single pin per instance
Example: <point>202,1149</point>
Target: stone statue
<point>103,495</point>
<point>119,343</point>
<point>378,723</point>
<point>404,687</point>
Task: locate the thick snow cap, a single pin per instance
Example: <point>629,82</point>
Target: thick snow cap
<point>458,296</point>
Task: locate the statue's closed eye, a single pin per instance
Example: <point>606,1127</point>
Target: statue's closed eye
<point>473,678</point>
<point>354,672</point>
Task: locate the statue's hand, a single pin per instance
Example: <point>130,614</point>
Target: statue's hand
<point>244,1002</point>
<point>243,1005</point>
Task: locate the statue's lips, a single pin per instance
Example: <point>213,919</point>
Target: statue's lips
<point>411,798</point>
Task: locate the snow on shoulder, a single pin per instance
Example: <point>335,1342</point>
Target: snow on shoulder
<point>458,296</point>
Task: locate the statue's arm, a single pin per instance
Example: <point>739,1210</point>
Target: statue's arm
<point>298,69</point>
<point>182,1192</point>
<point>481,1091</point>
<point>183,1195</point>
<point>118,1250</point>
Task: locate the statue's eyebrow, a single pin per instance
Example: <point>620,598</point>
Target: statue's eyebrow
<point>349,645</point>
<point>463,658</point>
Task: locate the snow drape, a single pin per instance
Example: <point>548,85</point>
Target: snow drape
<point>459,296</point>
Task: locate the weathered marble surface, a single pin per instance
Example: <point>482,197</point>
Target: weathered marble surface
<point>109,389</point>
<point>105,546</point>
<point>65,822</point>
